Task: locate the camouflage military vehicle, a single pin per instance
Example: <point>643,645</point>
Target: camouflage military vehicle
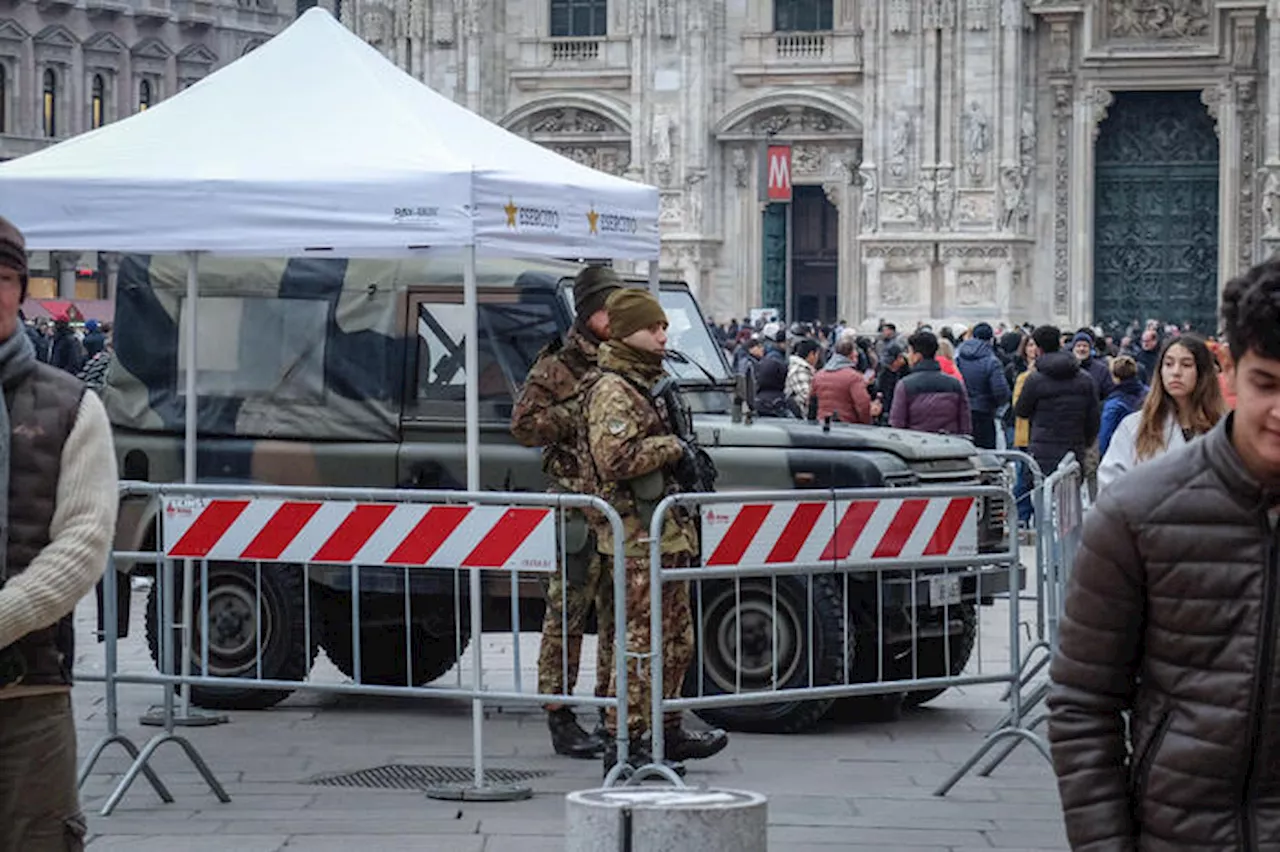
<point>350,373</point>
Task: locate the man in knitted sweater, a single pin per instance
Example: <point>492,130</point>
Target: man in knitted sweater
<point>57,517</point>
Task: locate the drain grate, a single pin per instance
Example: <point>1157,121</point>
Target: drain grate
<point>414,777</point>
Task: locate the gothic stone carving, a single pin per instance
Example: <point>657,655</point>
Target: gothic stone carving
<point>977,140</point>
<point>978,14</point>
<point>946,194</point>
<point>926,200</point>
<point>1014,198</point>
<point>1060,47</point>
<point>1247,104</point>
<point>807,159</point>
<point>1061,197</point>
<point>975,288</point>
<point>899,205</point>
<point>911,253</point>
<point>611,159</point>
<point>967,252</point>
<point>1099,101</point>
<point>977,207</point>
<point>566,120</point>
<point>1271,202</point>
<point>898,288</point>
<point>667,19</point>
<point>868,210</point>
<point>741,165</point>
<point>796,120</point>
<point>900,16</point>
<point>1159,19</point>
<point>669,212</point>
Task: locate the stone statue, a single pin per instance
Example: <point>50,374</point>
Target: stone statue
<point>740,164</point>
<point>946,192</point>
<point>900,143</point>
<point>977,132</point>
<point>926,213</point>
<point>1271,202</point>
<point>661,138</point>
<point>868,216</point>
<point>1013,189</point>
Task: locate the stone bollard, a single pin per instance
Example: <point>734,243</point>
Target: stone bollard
<point>666,819</point>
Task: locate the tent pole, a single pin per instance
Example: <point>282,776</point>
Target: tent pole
<point>655,285</point>
<point>471,308</point>
<point>189,464</point>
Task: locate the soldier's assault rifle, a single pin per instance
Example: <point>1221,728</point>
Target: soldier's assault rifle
<point>695,472</point>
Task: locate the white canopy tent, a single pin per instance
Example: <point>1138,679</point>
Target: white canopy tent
<point>314,144</point>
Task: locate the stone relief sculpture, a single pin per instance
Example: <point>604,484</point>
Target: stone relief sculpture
<point>900,143</point>
<point>1159,19</point>
<point>900,16</point>
<point>806,159</point>
<point>666,18</point>
<point>977,139</point>
<point>1027,138</point>
<point>946,192</point>
<point>1014,197</point>
<point>976,288</point>
<point>693,198</point>
<point>1271,203</point>
<point>868,211</point>
<point>926,209</point>
<point>740,164</point>
<point>660,145</point>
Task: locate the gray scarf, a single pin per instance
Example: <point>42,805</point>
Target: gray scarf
<point>838,362</point>
<point>17,360</point>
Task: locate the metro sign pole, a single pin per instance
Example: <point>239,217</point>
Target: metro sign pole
<point>777,166</point>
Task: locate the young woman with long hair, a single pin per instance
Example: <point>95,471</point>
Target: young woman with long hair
<point>1185,402</point>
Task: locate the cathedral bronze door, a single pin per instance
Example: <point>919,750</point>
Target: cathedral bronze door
<point>1155,237</point>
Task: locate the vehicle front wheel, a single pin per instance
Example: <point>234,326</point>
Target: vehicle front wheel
<point>752,640</point>
<point>931,654</point>
<point>436,645</point>
<point>242,618</point>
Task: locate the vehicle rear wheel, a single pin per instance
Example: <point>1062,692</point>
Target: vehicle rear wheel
<point>242,617</point>
<point>742,632</point>
<point>436,645</point>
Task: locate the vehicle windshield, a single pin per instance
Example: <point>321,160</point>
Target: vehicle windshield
<point>687,335</point>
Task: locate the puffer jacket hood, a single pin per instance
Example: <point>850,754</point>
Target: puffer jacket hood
<point>1058,365</point>
<point>974,350</point>
<point>838,362</point>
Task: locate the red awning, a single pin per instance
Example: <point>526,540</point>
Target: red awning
<point>77,310</point>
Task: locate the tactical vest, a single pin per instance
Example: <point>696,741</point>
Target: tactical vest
<point>42,411</point>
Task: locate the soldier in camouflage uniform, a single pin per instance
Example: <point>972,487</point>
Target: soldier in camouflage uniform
<point>635,457</point>
<point>548,414</point>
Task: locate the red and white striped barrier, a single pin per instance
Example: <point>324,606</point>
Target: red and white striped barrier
<point>350,533</point>
<point>764,534</point>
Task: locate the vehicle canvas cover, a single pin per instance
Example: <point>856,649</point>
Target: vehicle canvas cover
<point>287,348</point>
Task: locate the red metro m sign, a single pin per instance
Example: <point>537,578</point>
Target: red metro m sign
<point>778,170</point>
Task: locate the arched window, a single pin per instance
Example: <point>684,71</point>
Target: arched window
<point>144,95</point>
<point>50,103</point>
<point>791,16</point>
<point>4,94</point>
<point>99,88</point>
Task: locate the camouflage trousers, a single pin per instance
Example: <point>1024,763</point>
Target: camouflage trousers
<point>677,647</point>
<point>568,609</point>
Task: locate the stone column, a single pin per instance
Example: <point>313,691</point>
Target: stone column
<point>1091,110</point>
<point>28,94</point>
<point>66,264</point>
<point>110,261</point>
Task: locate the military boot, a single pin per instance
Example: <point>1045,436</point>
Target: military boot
<point>680,744</point>
<point>638,754</point>
<point>568,737</point>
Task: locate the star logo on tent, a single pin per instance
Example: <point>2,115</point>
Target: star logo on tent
<point>511,210</point>
<point>593,219</point>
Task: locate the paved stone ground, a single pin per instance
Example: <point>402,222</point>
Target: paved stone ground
<point>853,785</point>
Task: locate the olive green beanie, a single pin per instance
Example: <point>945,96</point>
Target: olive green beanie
<point>591,288</point>
<point>631,310</point>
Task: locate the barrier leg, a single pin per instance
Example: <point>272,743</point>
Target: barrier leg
<point>140,765</point>
<point>1008,733</point>
<point>1000,758</point>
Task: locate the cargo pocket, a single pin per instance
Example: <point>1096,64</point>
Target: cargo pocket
<point>74,830</point>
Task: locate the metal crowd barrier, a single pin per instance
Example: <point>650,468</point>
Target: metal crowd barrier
<point>887,549</point>
<point>409,532</point>
<point>1059,515</point>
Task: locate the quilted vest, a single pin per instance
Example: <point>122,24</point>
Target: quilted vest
<point>42,411</point>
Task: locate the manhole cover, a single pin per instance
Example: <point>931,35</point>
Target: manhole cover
<point>413,777</point>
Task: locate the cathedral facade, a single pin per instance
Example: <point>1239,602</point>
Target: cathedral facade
<point>1074,160</point>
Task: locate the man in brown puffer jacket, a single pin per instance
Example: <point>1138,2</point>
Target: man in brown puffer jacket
<point>1173,616</point>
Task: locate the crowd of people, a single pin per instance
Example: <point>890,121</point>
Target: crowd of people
<point>84,352</point>
<point>1112,401</point>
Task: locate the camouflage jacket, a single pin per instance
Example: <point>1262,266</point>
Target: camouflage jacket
<point>548,413</point>
<point>627,437</point>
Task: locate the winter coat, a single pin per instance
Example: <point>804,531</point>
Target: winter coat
<point>1013,372</point>
<point>886,383</point>
<point>1171,617</point>
<point>66,353</point>
<point>949,367</point>
<point>94,342</point>
<point>1125,398</point>
<point>799,382</point>
<point>771,394</point>
<point>1061,401</point>
<point>1101,375</point>
<point>1122,454</point>
<point>41,344</point>
<point>1148,360</point>
<point>930,401</point>
<point>1021,425</point>
<point>841,390</point>
<point>742,360</point>
<point>983,376</point>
